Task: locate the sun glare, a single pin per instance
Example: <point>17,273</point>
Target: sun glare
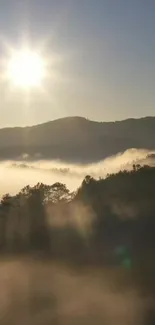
<point>26,69</point>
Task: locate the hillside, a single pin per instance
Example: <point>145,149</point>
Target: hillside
<point>77,139</point>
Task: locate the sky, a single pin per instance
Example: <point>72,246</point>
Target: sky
<point>105,59</point>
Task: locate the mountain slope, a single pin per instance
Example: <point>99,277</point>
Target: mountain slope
<point>77,139</point>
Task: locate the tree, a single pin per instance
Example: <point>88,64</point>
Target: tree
<point>5,207</point>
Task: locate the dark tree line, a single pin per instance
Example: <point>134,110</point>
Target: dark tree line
<point>88,224</point>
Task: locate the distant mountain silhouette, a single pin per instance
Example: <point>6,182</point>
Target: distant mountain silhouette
<point>76,139</point>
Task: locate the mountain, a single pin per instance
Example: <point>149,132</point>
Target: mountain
<point>76,139</point>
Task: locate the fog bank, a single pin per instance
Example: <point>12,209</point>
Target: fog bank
<point>16,174</point>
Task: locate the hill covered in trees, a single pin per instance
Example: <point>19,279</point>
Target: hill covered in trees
<point>87,225</point>
<point>77,139</point>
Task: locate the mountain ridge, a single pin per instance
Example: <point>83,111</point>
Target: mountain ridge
<point>80,118</point>
<point>77,139</point>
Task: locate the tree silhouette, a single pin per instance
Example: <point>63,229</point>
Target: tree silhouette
<point>122,204</point>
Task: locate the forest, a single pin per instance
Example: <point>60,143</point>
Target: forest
<point>89,225</point>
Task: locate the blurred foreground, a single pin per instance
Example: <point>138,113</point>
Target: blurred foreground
<point>39,292</point>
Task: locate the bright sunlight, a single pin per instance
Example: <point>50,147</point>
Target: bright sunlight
<point>26,69</point>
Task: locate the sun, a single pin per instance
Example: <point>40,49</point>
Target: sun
<point>26,69</point>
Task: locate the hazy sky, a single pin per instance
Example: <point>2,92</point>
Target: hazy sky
<point>107,58</point>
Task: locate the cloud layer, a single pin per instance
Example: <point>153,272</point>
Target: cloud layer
<point>16,174</point>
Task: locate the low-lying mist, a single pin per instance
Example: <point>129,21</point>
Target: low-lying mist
<point>16,174</point>
<point>48,293</point>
